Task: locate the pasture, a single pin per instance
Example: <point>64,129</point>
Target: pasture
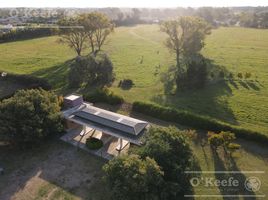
<point>138,53</point>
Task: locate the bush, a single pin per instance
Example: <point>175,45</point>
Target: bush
<point>94,143</point>
<point>234,146</point>
<point>247,75</point>
<point>104,96</point>
<point>126,84</point>
<point>196,121</point>
<point>240,75</point>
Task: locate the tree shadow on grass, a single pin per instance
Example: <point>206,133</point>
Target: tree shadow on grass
<point>57,76</point>
<point>232,171</point>
<point>211,101</point>
<point>221,174</point>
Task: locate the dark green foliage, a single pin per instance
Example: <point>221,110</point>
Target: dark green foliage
<point>196,121</point>
<point>92,70</point>
<point>31,82</point>
<point>30,116</point>
<point>195,76</point>
<point>94,143</point>
<point>103,96</point>
<point>27,33</point>
<point>126,84</point>
<point>132,178</point>
<point>170,149</point>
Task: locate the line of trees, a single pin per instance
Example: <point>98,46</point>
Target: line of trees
<point>154,171</point>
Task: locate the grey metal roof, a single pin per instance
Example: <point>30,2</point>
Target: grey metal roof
<point>111,120</point>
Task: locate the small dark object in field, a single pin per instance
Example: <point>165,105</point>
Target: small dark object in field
<point>157,52</point>
<point>126,84</point>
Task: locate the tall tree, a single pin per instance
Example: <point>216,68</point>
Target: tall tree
<point>185,38</point>
<point>72,34</point>
<point>97,27</point>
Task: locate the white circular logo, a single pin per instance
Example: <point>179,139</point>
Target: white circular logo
<point>252,184</point>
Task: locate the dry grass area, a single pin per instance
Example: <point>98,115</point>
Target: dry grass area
<point>52,171</point>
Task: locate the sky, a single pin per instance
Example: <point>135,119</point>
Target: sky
<point>131,3</point>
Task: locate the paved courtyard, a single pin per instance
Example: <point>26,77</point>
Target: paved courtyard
<point>110,143</point>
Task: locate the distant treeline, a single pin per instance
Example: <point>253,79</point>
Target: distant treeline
<point>25,33</point>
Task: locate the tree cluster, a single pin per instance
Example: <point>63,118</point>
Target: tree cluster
<point>93,69</point>
<point>29,117</point>
<point>169,155</point>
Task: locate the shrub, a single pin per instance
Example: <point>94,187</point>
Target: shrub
<point>104,96</point>
<point>215,141</point>
<point>94,143</point>
<point>126,84</point>
<point>247,75</point>
<point>233,146</point>
<point>240,75</point>
<point>196,121</point>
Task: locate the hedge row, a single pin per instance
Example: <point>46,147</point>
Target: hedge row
<point>27,33</point>
<point>196,121</point>
<point>30,82</point>
<point>103,96</point>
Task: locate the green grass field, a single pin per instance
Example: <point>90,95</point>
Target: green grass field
<point>243,103</point>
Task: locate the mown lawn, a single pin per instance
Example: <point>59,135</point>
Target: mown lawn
<point>138,53</point>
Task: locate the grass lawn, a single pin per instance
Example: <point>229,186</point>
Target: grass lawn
<point>53,171</point>
<point>138,53</point>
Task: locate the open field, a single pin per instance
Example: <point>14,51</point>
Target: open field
<point>138,53</point>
